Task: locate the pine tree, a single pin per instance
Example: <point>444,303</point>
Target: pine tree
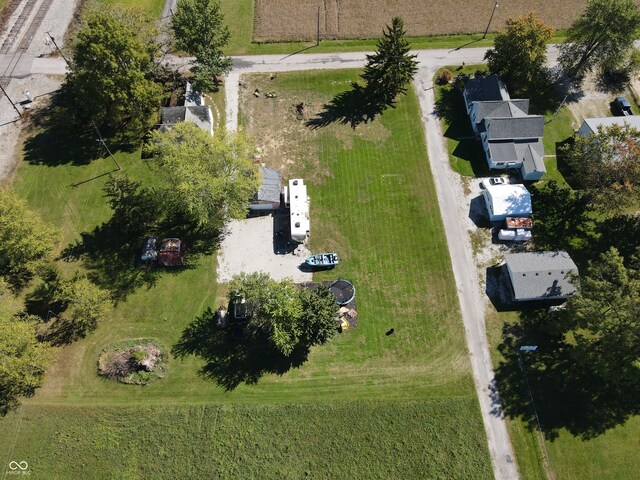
<point>391,67</point>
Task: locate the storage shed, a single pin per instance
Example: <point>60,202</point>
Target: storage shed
<point>541,275</point>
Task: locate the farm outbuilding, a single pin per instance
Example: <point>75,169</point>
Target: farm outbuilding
<point>194,110</point>
<point>268,195</point>
<point>538,276</point>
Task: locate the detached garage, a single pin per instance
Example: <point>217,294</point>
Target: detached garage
<point>536,276</point>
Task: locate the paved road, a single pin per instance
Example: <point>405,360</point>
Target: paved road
<point>449,196</point>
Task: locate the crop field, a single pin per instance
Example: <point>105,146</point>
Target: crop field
<point>291,20</point>
<point>365,405</point>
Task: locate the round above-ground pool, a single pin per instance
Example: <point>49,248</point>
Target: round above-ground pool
<point>343,290</point>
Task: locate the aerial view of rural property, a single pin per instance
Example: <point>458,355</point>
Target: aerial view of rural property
<point>324,239</point>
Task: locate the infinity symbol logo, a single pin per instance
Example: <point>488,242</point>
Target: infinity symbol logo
<point>13,465</point>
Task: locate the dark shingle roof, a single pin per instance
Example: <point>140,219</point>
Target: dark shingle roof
<point>503,151</point>
<point>541,275</point>
<point>530,126</point>
<point>200,115</point>
<point>482,89</point>
<point>532,155</point>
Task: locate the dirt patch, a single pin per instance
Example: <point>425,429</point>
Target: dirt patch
<point>136,362</point>
<point>286,20</point>
<point>272,117</point>
<point>593,104</point>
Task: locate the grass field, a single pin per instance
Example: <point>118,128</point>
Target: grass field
<point>611,455</point>
<point>326,440</point>
<point>295,20</point>
<point>406,399</point>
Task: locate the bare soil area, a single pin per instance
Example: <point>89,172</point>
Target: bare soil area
<point>271,116</point>
<point>286,20</point>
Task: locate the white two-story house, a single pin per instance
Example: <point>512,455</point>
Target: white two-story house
<point>511,138</point>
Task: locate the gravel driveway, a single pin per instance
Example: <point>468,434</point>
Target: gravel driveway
<point>249,247</point>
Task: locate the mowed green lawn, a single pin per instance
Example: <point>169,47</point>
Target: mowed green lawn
<point>154,7</point>
<point>321,440</point>
<point>363,405</point>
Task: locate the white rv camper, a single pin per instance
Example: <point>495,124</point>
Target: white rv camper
<point>295,197</point>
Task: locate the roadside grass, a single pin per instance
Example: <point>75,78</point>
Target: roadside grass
<point>153,7</point>
<point>610,455</point>
<point>465,152</point>
<point>368,439</point>
<point>406,399</point>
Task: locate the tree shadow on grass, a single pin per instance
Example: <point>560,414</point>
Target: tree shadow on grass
<point>353,107</point>
<point>450,107</point>
<point>111,252</point>
<point>562,220</point>
<point>230,361</point>
<point>567,391</point>
<point>57,138</point>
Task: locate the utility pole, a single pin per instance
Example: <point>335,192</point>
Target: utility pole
<point>58,48</point>
<point>490,19</point>
<point>104,144</point>
<point>10,101</point>
<point>545,454</point>
<point>318,34</point>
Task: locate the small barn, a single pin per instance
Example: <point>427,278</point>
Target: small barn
<point>535,276</point>
<point>268,195</point>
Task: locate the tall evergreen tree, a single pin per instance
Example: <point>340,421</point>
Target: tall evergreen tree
<point>391,67</point>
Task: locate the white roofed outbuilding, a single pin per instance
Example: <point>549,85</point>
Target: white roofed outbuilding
<point>512,200</point>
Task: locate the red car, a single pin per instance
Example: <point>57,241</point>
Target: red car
<point>171,252</point>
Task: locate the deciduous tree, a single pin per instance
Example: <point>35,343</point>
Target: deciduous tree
<point>606,165</point>
<point>26,241</point>
<point>211,178</point>
<point>391,68</point>
<point>601,37</point>
<point>319,315</point>
<point>520,51</point>
<point>112,69</point>
<point>23,361</point>
<point>290,317</point>
<point>84,305</point>
<point>605,317</point>
<point>199,30</point>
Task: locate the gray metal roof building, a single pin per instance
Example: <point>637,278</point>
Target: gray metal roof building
<point>541,275</point>
<point>268,195</point>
